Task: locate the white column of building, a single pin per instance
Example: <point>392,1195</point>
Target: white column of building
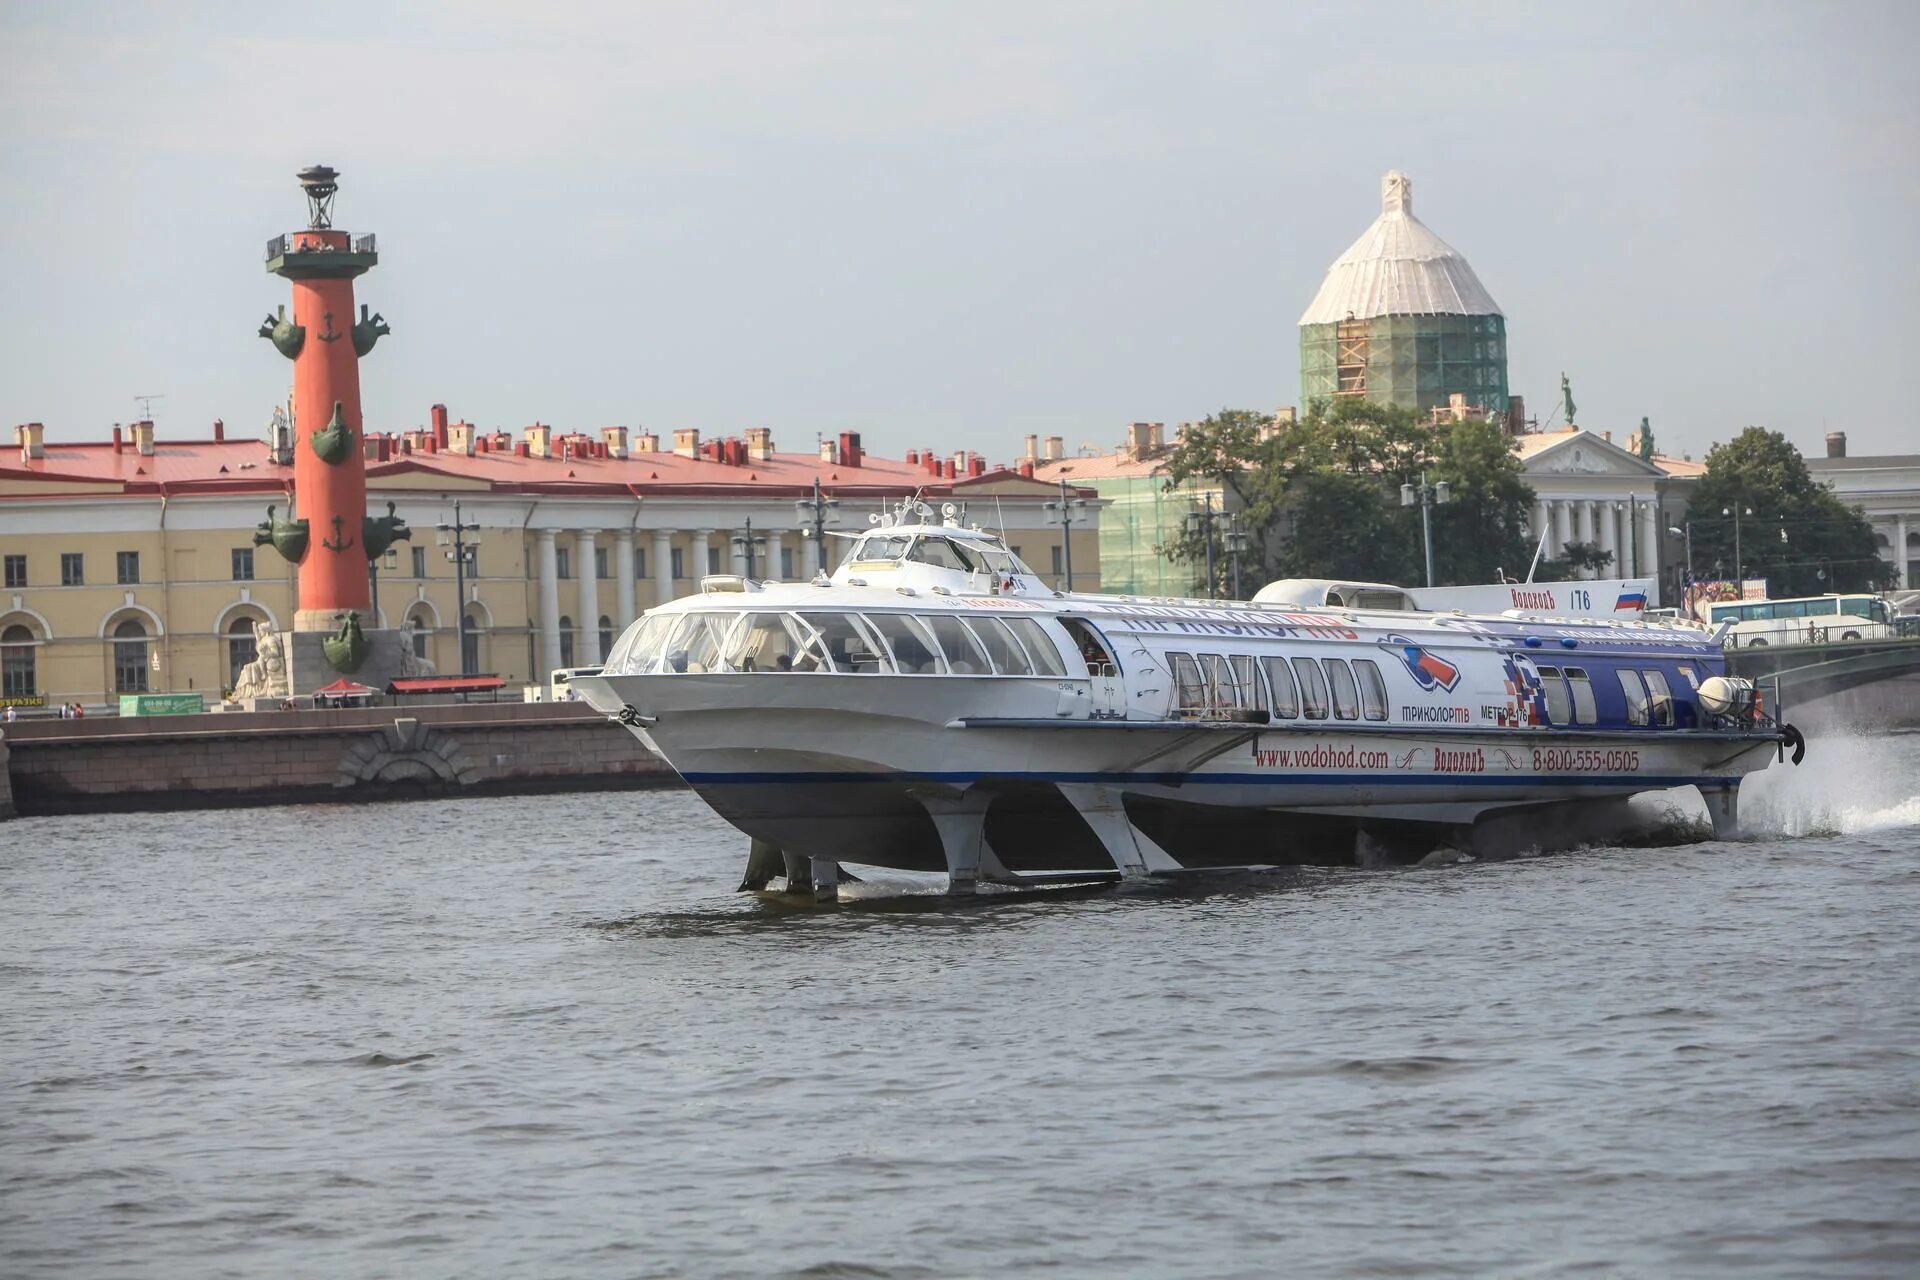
<point>1900,551</point>
<point>1562,528</point>
<point>698,551</point>
<point>736,552</point>
<point>587,651</point>
<point>776,545</point>
<point>1609,537</point>
<point>548,557</point>
<point>622,579</point>
<point>1649,542</point>
<point>663,565</point>
<point>1583,526</point>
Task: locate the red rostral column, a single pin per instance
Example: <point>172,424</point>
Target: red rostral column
<point>325,341</point>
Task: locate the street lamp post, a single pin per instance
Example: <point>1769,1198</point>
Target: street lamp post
<point>816,513</point>
<point>1686,590</point>
<point>1739,565</point>
<point>1201,522</point>
<point>1426,495</point>
<point>465,554</point>
<point>1066,512</point>
<point>1236,541</point>
<point>747,543</point>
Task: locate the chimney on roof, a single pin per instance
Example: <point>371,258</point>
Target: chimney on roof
<point>143,437</point>
<point>851,455</point>
<point>913,457</point>
<point>1056,448</point>
<point>829,451</point>
<point>1138,439</point>
<point>686,441</point>
<point>116,437</point>
<point>646,442</point>
<point>760,443</point>
<point>959,463</point>
<point>438,414</point>
<point>1033,448</point>
<point>32,439</point>
<point>947,469</point>
<point>1607,436</point>
<point>219,430</point>
<point>976,465</point>
<point>370,446</point>
<point>1026,467</point>
<point>615,438</point>
<point>539,440</point>
<point>522,449</point>
<point>458,436</point>
<point>1836,444</point>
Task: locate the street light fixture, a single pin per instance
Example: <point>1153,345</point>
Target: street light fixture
<point>1066,512</point>
<point>1739,564</point>
<point>1237,541</point>
<point>1686,591</point>
<point>816,513</point>
<point>464,551</point>
<point>1427,495</point>
<point>747,542</point>
<point>1201,522</point>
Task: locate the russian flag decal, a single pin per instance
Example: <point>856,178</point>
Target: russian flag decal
<point>1630,600</point>
<point>1429,670</point>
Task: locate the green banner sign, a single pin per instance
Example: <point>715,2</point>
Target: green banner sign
<point>161,704</point>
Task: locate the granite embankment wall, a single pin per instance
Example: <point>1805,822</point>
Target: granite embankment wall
<point>279,757</point>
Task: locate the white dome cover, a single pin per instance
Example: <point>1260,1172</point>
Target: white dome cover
<point>1398,268</point>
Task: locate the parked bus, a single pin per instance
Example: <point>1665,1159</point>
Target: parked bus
<point>1802,620</point>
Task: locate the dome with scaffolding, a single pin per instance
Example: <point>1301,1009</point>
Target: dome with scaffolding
<point>1401,318</point>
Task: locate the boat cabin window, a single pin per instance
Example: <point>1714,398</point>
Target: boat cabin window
<point>765,642</point>
<point>696,644</point>
<point>1286,694</point>
<point>946,554</point>
<point>1373,689</point>
<point>965,657</point>
<point>1346,698</point>
<point>638,651</point>
<point>847,645</point>
<point>881,546</point>
<point>1247,682</point>
<point>1662,699</point>
<point>1636,693</point>
<point>1313,688</point>
<point>1040,647</point>
<point>1009,659</point>
<point>1191,689</point>
<point>1219,689</point>
<point>1584,709</point>
<point>1559,705</point>
<point>915,652</point>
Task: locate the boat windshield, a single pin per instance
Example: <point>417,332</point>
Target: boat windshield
<point>946,553</point>
<point>881,546</point>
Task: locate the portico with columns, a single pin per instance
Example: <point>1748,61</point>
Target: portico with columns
<point>1588,489</point>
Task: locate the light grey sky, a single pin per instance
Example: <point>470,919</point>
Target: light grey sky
<point>952,224</point>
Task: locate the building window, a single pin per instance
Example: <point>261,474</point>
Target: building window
<point>241,646</point>
<point>130,657</point>
<point>16,571</point>
<point>679,562</point>
<point>1059,563</point>
<point>566,641</point>
<point>470,645</point>
<point>713,559</point>
<point>639,562</point>
<point>600,563</point>
<point>242,564</point>
<point>73,569</point>
<point>606,636</point>
<point>786,563</point>
<point>17,676</point>
<point>563,561</point>
<point>419,561</point>
<point>127,564</point>
<point>422,631</point>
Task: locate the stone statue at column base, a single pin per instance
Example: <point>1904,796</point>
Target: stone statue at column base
<point>266,676</point>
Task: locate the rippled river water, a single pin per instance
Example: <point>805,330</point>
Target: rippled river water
<point>541,1037</point>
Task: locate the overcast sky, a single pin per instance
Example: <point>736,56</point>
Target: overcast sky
<point>954,224</point>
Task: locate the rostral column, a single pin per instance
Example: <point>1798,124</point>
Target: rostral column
<point>333,540</point>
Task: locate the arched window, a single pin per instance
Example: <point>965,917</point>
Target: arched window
<point>241,647</point>
<point>130,657</point>
<point>17,676</point>
<point>606,636</point>
<point>566,641</point>
<point>470,642</point>
<point>422,630</point>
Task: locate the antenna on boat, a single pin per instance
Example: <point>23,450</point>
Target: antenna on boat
<point>1539,550</point>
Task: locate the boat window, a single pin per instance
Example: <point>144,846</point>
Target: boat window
<point>696,643</point>
<point>1373,690</point>
<point>880,546</point>
<point>1313,688</point>
<point>638,651</point>
<point>945,554</point>
<point>1636,691</point>
<point>1186,679</point>
<point>1248,682</point>
<point>847,645</point>
<point>1559,705</point>
<point>1009,659</point>
<point>765,642</point>
<point>1286,694</point>
<point>1346,698</point>
<point>1662,698</point>
<point>1217,683</point>
<point>1092,650</point>
<point>1584,711</point>
<point>965,657</point>
<point>1040,646</point>
<point>914,650</point>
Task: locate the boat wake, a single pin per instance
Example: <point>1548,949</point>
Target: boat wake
<point>1849,785</point>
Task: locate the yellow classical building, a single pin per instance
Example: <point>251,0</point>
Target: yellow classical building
<point>130,564</point>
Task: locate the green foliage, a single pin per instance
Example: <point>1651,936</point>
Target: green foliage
<point>1575,560</point>
<point>1320,498</point>
<point>1800,537</point>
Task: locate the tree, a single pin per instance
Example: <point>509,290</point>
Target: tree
<point>1575,558</point>
<point>1319,498</point>
<point>1799,536</point>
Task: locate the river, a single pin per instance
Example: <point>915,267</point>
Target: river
<point>541,1037</point>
